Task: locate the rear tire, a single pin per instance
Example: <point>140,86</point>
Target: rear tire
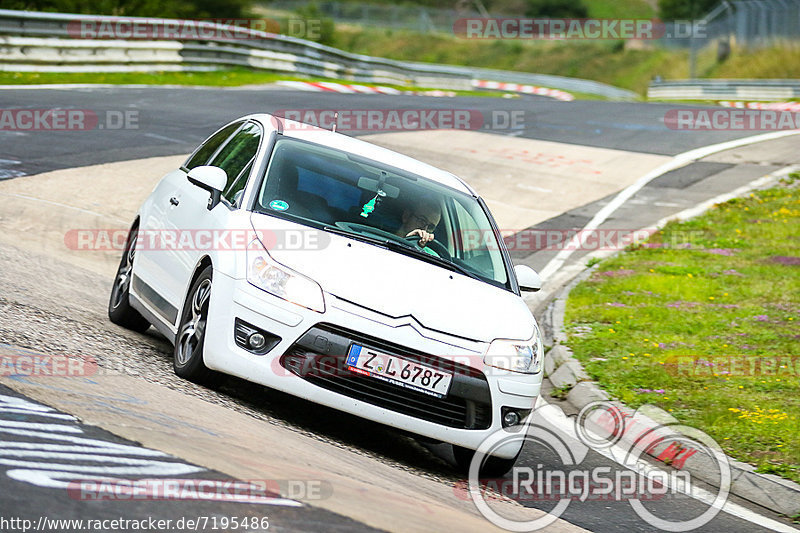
<point>493,467</point>
<point>120,311</point>
<point>188,358</point>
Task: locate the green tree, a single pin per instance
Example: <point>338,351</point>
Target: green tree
<point>137,8</point>
<point>319,28</point>
<point>684,9</point>
<point>556,8</point>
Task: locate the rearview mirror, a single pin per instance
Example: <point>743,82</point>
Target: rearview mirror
<point>528,279</point>
<point>372,185</point>
<point>211,179</point>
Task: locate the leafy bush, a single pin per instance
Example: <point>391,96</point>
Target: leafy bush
<point>556,9</point>
<point>137,8</point>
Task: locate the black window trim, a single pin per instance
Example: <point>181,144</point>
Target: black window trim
<point>222,144</point>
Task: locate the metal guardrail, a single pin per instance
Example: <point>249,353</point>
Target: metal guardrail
<point>760,90</point>
<point>33,41</point>
<point>51,42</point>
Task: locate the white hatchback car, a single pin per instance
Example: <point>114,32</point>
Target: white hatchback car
<point>340,272</point>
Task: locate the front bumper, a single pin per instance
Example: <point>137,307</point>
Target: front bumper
<point>307,360</point>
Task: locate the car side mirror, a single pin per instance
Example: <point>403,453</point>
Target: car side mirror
<point>211,179</point>
<point>528,279</point>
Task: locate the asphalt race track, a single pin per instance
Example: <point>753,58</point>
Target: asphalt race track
<point>174,121</point>
<point>70,318</point>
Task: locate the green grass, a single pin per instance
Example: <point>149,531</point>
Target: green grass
<point>713,287</point>
<point>623,9</point>
<point>597,8</point>
<point>219,78</point>
<point>610,62</point>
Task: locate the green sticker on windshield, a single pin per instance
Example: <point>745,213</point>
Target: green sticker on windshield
<point>279,205</point>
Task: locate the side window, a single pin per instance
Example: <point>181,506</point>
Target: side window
<point>472,236</point>
<point>233,193</point>
<point>210,145</point>
<point>237,154</point>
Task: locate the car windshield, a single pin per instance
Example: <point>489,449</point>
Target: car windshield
<point>348,194</point>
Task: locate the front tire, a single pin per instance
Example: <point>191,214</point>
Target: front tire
<point>188,358</point>
<point>120,311</point>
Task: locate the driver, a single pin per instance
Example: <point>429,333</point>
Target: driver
<point>420,220</point>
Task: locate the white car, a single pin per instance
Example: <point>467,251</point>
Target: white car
<point>340,272</point>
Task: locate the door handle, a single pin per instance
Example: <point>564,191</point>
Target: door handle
<point>174,201</point>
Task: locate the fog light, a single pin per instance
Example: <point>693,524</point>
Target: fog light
<point>256,341</point>
<point>253,339</point>
<point>511,418</point>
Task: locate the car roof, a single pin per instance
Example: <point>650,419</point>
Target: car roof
<point>298,130</point>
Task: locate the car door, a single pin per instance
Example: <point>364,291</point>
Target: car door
<point>155,280</point>
<point>197,226</point>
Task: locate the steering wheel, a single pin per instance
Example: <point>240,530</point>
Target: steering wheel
<point>434,245</point>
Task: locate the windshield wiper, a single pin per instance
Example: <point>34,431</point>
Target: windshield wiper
<point>405,249</point>
<point>356,236</point>
<point>414,251</point>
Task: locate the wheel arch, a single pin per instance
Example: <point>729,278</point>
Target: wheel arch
<point>201,265</point>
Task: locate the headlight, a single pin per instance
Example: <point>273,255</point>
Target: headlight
<point>517,356</point>
<point>268,275</point>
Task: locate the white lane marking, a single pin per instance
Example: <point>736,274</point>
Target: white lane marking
<point>567,426</point>
<point>534,188</point>
<point>37,426</point>
<point>97,445</point>
<point>48,415</point>
<point>53,465</point>
<point>65,206</point>
<point>163,138</point>
<point>6,173</point>
<point>11,448</point>
<point>678,161</point>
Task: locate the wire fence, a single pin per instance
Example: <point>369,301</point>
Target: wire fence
<point>415,18</point>
<point>750,23</point>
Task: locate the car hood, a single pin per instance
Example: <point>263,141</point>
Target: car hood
<point>396,285</point>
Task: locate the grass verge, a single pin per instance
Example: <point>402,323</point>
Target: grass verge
<point>702,321</point>
<point>217,78</point>
<point>609,62</point>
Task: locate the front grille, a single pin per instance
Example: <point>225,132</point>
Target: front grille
<point>319,357</point>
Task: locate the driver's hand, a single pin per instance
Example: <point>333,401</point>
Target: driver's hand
<point>424,236</point>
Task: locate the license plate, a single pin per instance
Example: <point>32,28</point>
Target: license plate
<point>406,374</point>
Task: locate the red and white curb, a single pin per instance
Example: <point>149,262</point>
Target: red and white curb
<point>326,86</point>
<point>526,89</point>
<point>772,106</point>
